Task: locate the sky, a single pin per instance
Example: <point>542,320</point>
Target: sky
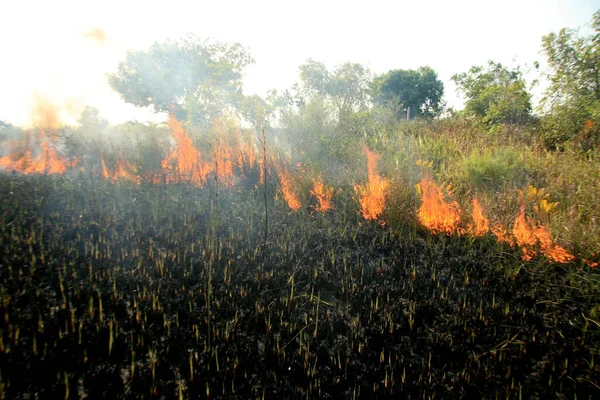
<point>61,50</point>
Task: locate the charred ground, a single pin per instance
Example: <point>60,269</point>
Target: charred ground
<point>118,291</point>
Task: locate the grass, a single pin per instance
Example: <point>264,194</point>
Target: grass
<point>117,290</point>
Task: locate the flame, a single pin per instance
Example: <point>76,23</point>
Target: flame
<point>224,162</point>
<point>372,195</point>
<point>482,224</point>
<point>47,161</point>
<point>104,169</point>
<point>502,235</point>
<point>289,195</point>
<point>184,163</point>
<point>246,156</point>
<point>123,171</point>
<point>435,213</point>
<point>528,235</point>
<point>323,194</point>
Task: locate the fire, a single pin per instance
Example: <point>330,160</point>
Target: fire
<point>184,163</point>
<point>123,171</point>
<point>323,194</point>
<point>289,195</point>
<point>47,161</point>
<point>502,235</point>
<point>372,196</point>
<point>246,156</point>
<point>528,235</point>
<point>482,224</point>
<point>224,162</point>
<point>435,213</point>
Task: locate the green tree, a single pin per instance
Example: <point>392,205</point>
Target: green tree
<point>419,91</point>
<point>193,78</point>
<point>346,88</point>
<point>495,94</point>
<point>572,100</point>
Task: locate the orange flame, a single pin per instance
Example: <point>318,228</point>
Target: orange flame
<point>482,224</point>
<point>323,194</point>
<point>372,195</point>
<point>184,163</point>
<point>123,171</point>
<point>224,161</point>
<point>246,156</point>
<point>435,213</point>
<point>47,161</point>
<point>289,195</point>
<point>528,235</point>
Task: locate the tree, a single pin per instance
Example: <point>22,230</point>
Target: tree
<point>346,88</point>
<point>257,110</point>
<point>572,100</point>
<point>418,90</point>
<point>495,94</point>
<point>190,77</point>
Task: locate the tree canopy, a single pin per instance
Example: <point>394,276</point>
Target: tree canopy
<point>346,87</point>
<point>572,99</point>
<point>402,89</point>
<point>495,93</point>
<point>189,76</point>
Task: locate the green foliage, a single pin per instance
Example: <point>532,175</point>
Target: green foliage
<point>573,97</point>
<point>495,94</point>
<point>346,88</point>
<point>418,90</point>
<point>493,169</point>
<point>186,77</point>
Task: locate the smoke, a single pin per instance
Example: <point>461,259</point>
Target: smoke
<point>49,115</point>
<point>45,114</point>
<point>95,34</point>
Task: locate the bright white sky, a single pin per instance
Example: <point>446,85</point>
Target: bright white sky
<point>43,51</point>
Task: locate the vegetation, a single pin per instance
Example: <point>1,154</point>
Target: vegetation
<point>573,97</point>
<point>495,94</point>
<point>334,249</point>
<point>410,93</point>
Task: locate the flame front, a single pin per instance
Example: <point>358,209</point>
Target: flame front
<point>482,224</point>
<point>323,194</point>
<point>372,195</point>
<point>289,195</point>
<point>528,236</point>
<point>184,163</point>
<point>47,161</point>
<point>435,213</point>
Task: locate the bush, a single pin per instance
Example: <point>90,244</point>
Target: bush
<point>493,169</point>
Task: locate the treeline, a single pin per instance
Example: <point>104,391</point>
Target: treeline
<point>199,80</point>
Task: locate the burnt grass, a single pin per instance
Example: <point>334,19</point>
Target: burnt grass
<point>117,291</point>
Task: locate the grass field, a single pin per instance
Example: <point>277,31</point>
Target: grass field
<point>124,290</point>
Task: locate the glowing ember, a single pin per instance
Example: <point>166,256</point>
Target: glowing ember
<point>482,224</point>
<point>184,163</point>
<point>372,196</point>
<point>435,213</point>
<point>528,235</point>
<point>289,195</point>
<point>323,194</point>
